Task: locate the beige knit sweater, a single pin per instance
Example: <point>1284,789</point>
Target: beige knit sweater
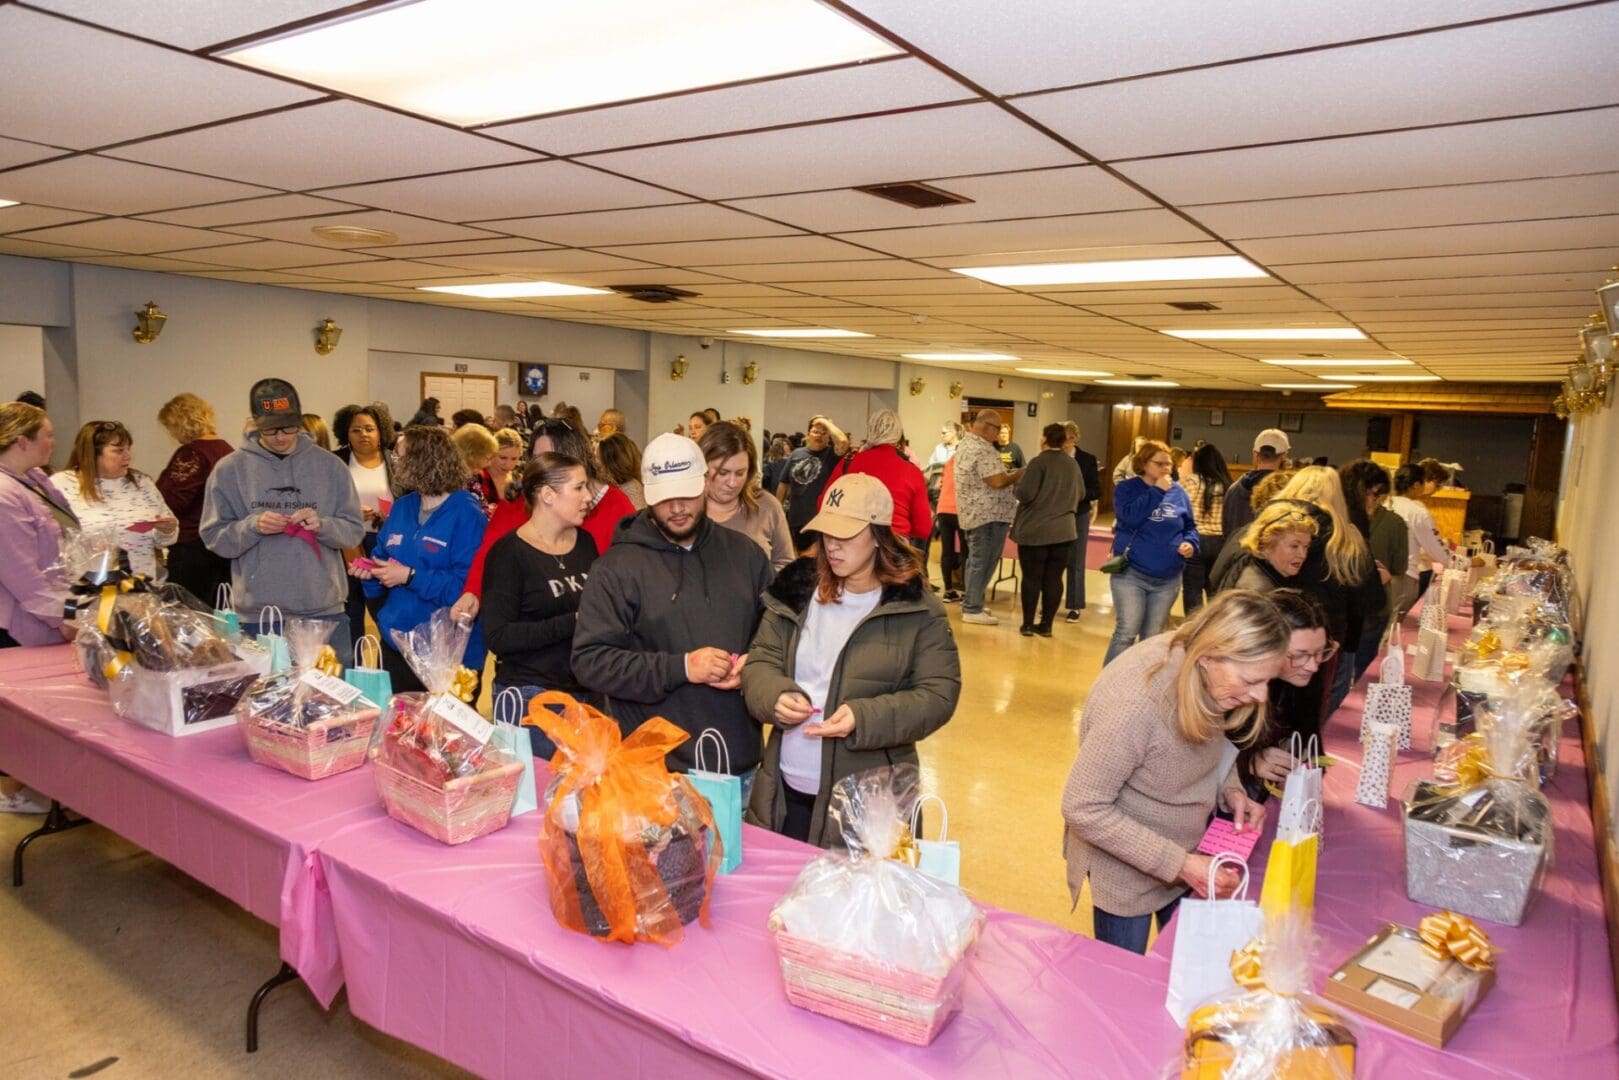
<point>1139,795</point>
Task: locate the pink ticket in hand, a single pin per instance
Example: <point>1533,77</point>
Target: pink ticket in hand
<point>141,526</point>
<point>1223,838</point>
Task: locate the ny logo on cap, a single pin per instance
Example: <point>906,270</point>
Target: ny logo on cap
<point>834,498</point>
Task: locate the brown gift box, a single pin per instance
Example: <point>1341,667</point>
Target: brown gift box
<point>1433,1017</point>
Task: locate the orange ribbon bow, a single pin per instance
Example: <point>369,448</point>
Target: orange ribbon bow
<point>1447,935</point>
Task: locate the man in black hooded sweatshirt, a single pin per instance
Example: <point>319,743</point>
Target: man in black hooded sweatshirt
<point>670,610</point>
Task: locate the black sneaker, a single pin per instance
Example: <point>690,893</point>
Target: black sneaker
<point>951,596</point>
<point>1073,615</point>
<point>1026,630</point>
<point>1043,631</point>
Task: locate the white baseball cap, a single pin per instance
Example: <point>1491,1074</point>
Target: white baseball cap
<point>1275,438</point>
<point>672,467</point>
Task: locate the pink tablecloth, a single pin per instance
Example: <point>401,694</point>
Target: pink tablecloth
<point>1552,1012</point>
<point>197,802</point>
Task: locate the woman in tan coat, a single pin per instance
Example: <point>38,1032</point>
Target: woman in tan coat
<point>1157,752</point>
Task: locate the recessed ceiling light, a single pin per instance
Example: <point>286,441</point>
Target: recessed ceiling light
<point>1339,363</point>
<point>1309,386</point>
<point>354,234</point>
<point>1092,273</point>
<point>1316,333</point>
<point>958,356</point>
<point>1069,372</point>
<point>800,332</point>
<point>8,202</point>
<point>500,59</point>
<point>502,290</point>
<point>1393,378</point>
<point>1136,382</point>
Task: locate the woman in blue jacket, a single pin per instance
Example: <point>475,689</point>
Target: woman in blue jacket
<point>1153,526</point>
<point>425,548</point>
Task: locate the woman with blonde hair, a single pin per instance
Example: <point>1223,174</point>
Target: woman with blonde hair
<point>504,473</point>
<point>1273,549</point>
<point>106,494</point>
<point>1157,753</point>
<point>735,500</point>
<point>478,446</point>
<point>190,421</point>
<point>315,424</point>
<point>33,514</point>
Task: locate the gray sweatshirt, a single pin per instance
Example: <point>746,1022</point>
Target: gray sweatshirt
<point>279,569</point>
<point>1047,495</point>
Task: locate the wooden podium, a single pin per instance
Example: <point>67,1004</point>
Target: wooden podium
<point>1449,509</point>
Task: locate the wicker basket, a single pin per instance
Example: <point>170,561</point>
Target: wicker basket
<point>906,1005</point>
<point>464,809</point>
<point>320,750</point>
<point>683,866</point>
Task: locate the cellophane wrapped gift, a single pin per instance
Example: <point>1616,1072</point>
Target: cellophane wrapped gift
<point>431,755</point>
<point>629,848</point>
<point>307,720</point>
<point>1271,1027</point>
<point>1481,844</point>
<point>863,935</point>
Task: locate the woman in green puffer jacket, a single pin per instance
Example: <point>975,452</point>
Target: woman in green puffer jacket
<point>853,664</point>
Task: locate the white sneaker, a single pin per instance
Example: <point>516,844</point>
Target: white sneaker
<point>24,801</point>
<point>982,618</point>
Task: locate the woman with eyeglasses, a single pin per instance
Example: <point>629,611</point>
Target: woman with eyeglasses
<point>1298,696</point>
<point>1155,530</point>
<point>108,496</point>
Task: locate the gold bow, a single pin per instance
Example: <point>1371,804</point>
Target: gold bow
<point>1446,934</point>
<point>905,849</point>
<point>109,597</point>
<point>1247,965</point>
<point>328,662</point>
<point>1488,644</point>
<point>1471,763</point>
<point>465,684</point>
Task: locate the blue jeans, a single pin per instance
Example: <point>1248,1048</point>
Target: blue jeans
<point>984,547</point>
<point>544,748</point>
<point>1130,931</point>
<point>1076,563</point>
<point>339,641</point>
<point>1141,606</point>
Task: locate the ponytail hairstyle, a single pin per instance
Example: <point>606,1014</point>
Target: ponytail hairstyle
<point>547,470</point>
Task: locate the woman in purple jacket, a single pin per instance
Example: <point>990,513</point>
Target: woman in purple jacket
<point>32,515</point>
<point>1153,526</point>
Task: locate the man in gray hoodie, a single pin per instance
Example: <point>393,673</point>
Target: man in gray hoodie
<point>282,511</point>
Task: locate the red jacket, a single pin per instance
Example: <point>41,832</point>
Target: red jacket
<point>904,482</point>
<point>599,523</point>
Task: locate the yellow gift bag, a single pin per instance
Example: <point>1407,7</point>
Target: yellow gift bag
<point>1290,876</point>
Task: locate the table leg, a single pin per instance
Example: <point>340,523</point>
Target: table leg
<point>285,975</point>
<point>56,820</point>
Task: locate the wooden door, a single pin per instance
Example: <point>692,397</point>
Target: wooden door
<point>1124,425</point>
<point>456,392</point>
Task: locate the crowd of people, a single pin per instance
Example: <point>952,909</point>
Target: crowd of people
<point>691,580</point>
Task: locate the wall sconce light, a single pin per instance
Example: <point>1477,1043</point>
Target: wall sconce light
<point>916,387</point>
<point>327,335</point>
<point>956,388</point>
<point>677,368</point>
<point>148,323</point>
<point>1589,379</point>
<point>750,373</point>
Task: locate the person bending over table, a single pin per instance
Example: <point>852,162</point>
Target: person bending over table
<point>1297,697</point>
<point>853,663</point>
<point>1156,759</point>
<point>1271,551</point>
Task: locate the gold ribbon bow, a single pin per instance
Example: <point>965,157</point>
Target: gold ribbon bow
<point>905,849</point>
<point>1446,934</point>
<point>1488,644</point>
<point>328,662</point>
<point>109,597</point>
<point>1247,965</point>
<point>465,684</point>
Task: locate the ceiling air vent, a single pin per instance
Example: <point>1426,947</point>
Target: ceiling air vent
<point>1193,305</point>
<point>652,294</point>
<point>916,195</point>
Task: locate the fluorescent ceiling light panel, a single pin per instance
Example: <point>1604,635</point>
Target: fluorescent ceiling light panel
<point>800,332</point>
<point>1136,382</point>
<point>958,356</point>
<point>1393,378</point>
<point>1339,363</point>
<point>1209,268</point>
<point>1316,333</point>
<point>1069,372</point>
<point>503,290</point>
<point>8,202</point>
<point>1309,386</point>
<point>502,59</point>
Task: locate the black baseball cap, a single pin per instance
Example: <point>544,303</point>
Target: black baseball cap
<point>275,405</point>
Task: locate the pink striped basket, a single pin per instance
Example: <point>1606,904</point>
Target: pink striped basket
<point>464,809</point>
<point>320,750</point>
<point>906,1005</point>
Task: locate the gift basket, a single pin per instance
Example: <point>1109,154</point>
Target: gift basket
<point>1270,1027</point>
<point>630,849</point>
<point>155,648</point>
<point>1480,845</point>
<point>864,936</point>
<point>307,721</point>
<point>432,756</point>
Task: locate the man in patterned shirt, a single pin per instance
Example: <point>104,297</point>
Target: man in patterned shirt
<point>985,503</point>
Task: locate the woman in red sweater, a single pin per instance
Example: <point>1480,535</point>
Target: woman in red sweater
<point>900,475</point>
<point>608,506</point>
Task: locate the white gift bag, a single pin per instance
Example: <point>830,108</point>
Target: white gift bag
<point>1455,586</point>
<point>1378,765</point>
<point>1301,794</point>
<point>939,858</point>
<point>1388,700</point>
<point>1207,932</point>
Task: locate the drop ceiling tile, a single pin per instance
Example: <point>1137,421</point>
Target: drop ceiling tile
<point>758,250</point>
<point>24,216</point>
<point>952,284</point>
<point>649,225</point>
<point>1388,310</point>
<point>1467,153</point>
<point>1546,63</point>
<point>358,288</point>
<point>1165,292</point>
<point>153,262</point>
<point>38,249</point>
<point>259,277</point>
<point>269,255</point>
<point>1252,307</point>
<point>379,270</point>
<point>682,279</point>
<point>832,271</point>
<point>105,186</point>
<point>896,84</point>
<point>542,187</point>
<point>410,230</point>
<point>192,24</point>
<point>1589,260</point>
<point>935,142</point>
<point>131,236</point>
<point>269,208</point>
<point>454,247</point>
<point>15,152</point>
<point>559,260</point>
<point>1037,239</point>
<point>71,85</point>
<point>1493,237</point>
<point>337,142</point>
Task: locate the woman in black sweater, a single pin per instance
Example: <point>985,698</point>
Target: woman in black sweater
<point>533,579</point>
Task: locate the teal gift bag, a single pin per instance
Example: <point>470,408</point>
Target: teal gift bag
<point>372,681</point>
<point>940,858</point>
<point>274,642</point>
<point>511,735</point>
<point>724,794</point>
<point>230,627</point>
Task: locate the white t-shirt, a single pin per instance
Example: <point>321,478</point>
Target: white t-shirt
<point>827,628</point>
<point>1426,547</point>
<point>370,484</point>
<point>125,510</point>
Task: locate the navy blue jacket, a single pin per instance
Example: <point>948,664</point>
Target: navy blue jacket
<point>441,553</point>
<point>1151,523</point>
